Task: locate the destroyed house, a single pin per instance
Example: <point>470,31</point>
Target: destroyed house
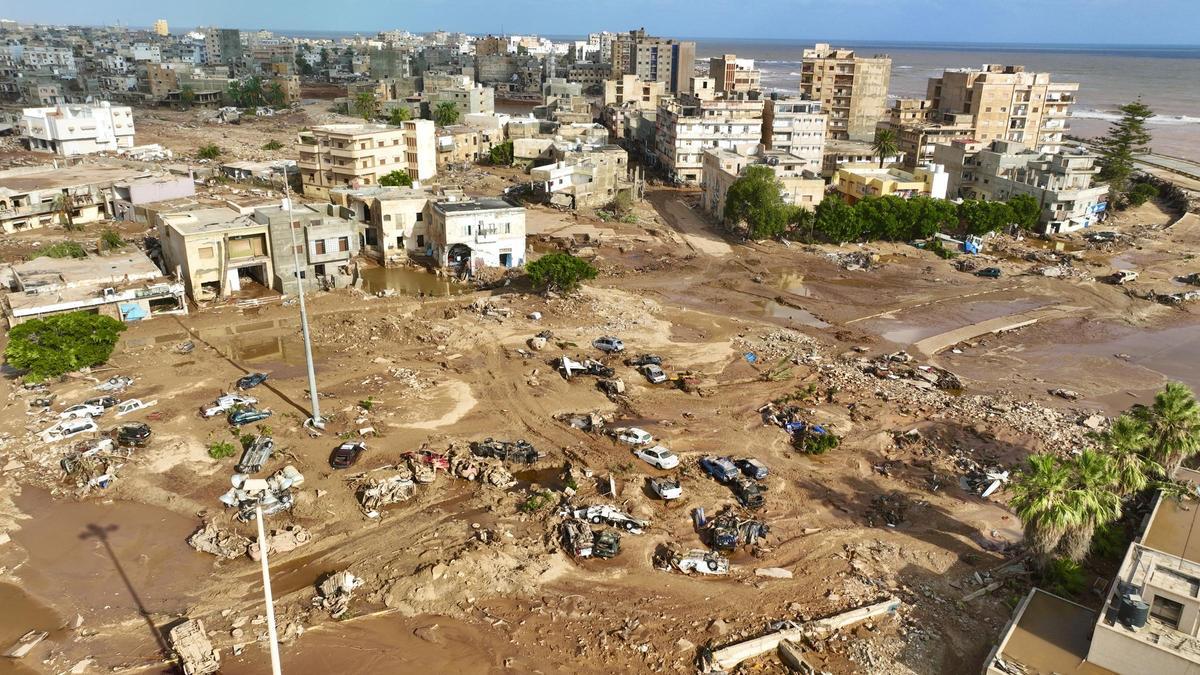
<point>217,252</point>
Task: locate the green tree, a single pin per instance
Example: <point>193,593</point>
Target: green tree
<point>111,239</point>
<point>559,271</point>
<point>1174,424</point>
<point>252,92</point>
<point>366,105</point>
<point>501,154</point>
<point>1026,211</point>
<point>187,95</point>
<point>882,217</point>
<point>445,113</point>
<point>399,115</point>
<point>756,199</point>
<point>210,151</point>
<point>884,145</point>
<point>1092,499</point>
<point>836,220</point>
<point>1125,136</point>
<point>1042,500</point>
<point>233,94</point>
<point>397,178</point>
<point>1128,442</point>
<point>1141,193</point>
<point>980,217</point>
<point>275,95</point>
<point>62,343</point>
<point>221,449</point>
<point>64,206</point>
<point>928,216</point>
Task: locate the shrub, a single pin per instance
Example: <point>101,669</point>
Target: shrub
<point>561,271</point>
<point>1063,577</point>
<point>1141,193</point>
<point>811,443</point>
<point>111,239</point>
<point>537,501</point>
<point>62,343</point>
<point>502,154</point>
<point>940,249</point>
<point>367,404</point>
<point>273,145</point>
<point>397,178</point>
<point>63,249</point>
<point>221,450</point>
<point>210,151</point>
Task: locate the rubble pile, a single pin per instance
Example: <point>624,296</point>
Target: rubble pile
<point>333,594</point>
<point>781,344</point>
<point>221,543</point>
<point>411,379</point>
<point>607,315</point>
<point>274,493</point>
<point>854,260</point>
<point>377,492</point>
<point>289,538</point>
<point>899,366</point>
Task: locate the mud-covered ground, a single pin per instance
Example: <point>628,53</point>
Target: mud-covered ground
<point>462,579</point>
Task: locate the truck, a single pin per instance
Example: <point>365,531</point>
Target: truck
<point>605,513</point>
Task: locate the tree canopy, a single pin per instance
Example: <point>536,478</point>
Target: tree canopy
<point>58,344</point>
<point>399,115</point>
<point>445,114</point>
<point>980,217</point>
<point>559,271</point>
<point>501,154</point>
<point>397,178</point>
<point>1124,136</point>
<point>757,200</point>
<point>837,220</point>
<point>366,105</point>
<point>884,145</point>
<point>1026,211</point>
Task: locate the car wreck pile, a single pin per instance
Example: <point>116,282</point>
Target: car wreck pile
<point>334,593</point>
<point>900,366</point>
<point>274,493</point>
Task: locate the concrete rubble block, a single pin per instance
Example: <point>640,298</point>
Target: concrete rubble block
<point>792,655</point>
<point>333,594</point>
<point>25,644</point>
<point>196,652</point>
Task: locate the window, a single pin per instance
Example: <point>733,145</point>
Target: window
<point>343,243</point>
<point>420,215</point>
<point>387,217</point>
<point>319,247</point>
<point>1167,610</point>
<point>207,253</point>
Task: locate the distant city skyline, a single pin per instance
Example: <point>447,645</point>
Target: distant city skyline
<point>1088,22</point>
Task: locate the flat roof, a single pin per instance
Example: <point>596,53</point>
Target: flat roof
<point>198,221</point>
<point>1051,636</point>
<point>54,179</point>
<point>477,204</point>
<point>385,193</point>
<point>90,270</point>
<point>1173,526</point>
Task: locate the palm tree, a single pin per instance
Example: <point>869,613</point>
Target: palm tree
<point>884,144</point>
<point>252,91</point>
<point>366,105</point>
<point>1042,500</point>
<point>445,113</point>
<point>276,95</point>
<point>63,206</point>
<point>1092,501</point>
<point>1174,423</point>
<point>1128,443</point>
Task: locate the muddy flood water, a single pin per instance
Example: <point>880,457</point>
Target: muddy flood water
<point>406,281</point>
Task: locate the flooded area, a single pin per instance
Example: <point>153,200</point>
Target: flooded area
<point>793,315</point>
<point>21,614</point>
<point>408,281</point>
<point>901,328</point>
<point>1173,352</point>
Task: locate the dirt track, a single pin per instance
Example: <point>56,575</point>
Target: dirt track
<point>870,519</point>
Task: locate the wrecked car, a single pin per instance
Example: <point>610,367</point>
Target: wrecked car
<point>666,488</point>
<point>749,493</point>
<point>225,403</point>
<point>721,468</point>
<point>609,344</point>
<point>69,428</point>
<point>654,374</point>
<point>634,436</point>
<point>644,360</point>
<point>247,416</point>
<point>657,456</point>
<point>345,455</point>
<point>256,455</point>
<point>251,381</point>
<point>582,542</point>
<point>134,434</point>
<point>726,531</point>
<point>81,410</point>
<point>115,383</point>
<point>519,451</point>
<point>699,560</point>
<point>102,401</point>
<point>605,513</point>
<point>752,468</point>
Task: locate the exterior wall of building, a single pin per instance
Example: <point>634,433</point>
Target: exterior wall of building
<point>394,219</point>
<point>855,184</point>
<point>685,131</point>
<point>70,130</point>
<point>201,256</point>
<point>471,100</point>
<point>327,243</point>
<point>477,234</point>
<point>796,127</point>
<point>852,89</point>
<point>629,90</point>
<point>723,168</point>
<point>357,155</point>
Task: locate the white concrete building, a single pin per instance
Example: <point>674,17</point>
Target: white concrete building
<point>689,125</point>
<point>797,128</point>
<point>70,130</point>
<point>479,232</point>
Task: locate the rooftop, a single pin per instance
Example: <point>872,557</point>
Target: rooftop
<point>354,129</point>
<point>49,178</point>
<point>1172,527</point>
<point>384,193</point>
<point>476,204</point>
<point>50,272</point>
<point>208,220</point>
<point>1050,635</point>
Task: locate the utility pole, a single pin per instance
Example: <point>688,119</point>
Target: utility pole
<point>263,545</point>
<point>316,420</point>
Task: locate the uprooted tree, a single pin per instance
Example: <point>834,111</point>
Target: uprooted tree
<point>49,347</point>
<point>559,271</point>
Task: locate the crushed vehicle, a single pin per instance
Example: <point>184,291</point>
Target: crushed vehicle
<point>196,654</point>
<point>657,456</point>
<point>606,513</point>
<point>521,451</point>
<point>726,531</point>
<point>225,403</point>
<point>696,560</point>
<point>1067,394</point>
<point>749,492</point>
<point>593,421</point>
<point>666,488</point>
<point>644,360</point>
<point>256,455</point>
<point>634,436</point>
<point>69,428</point>
<point>102,401</point>
<point>132,435</point>
<point>345,455</point>
<point>990,273</point>
<point>81,410</point>
<point>133,405</point>
<point>654,374</point>
<point>115,383</point>
<point>582,542</point>
<point>570,368</point>
<point>721,468</point>
<point>609,344</point>
<point>1193,279</point>
<point>247,416</point>
<point>435,460</point>
<point>376,492</point>
<point>1101,237</point>
<point>251,381</point>
<point>752,468</point>
<point>1123,276</point>
<point>44,401</point>
<point>274,493</point>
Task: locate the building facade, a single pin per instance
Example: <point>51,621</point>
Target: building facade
<point>217,251</point>
<point>470,234</point>
<point>393,220</point>
<point>732,74</point>
<point>654,59</point>
<point>797,128</point>
<point>70,130</point>
<point>326,242</point>
<point>358,155</point>
<point>858,183</point>
<point>853,89</point>
<point>798,185</point>
<point>687,126</point>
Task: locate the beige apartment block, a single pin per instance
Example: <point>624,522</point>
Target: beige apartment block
<point>733,74</point>
<point>796,127</point>
<point>852,88</point>
<point>656,59</point>
<point>919,129</point>
<point>799,186</point>
<point>637,93</point>
<point>161,28</point>
<point>688,126</point>
<point>1006,103</point>
<point>394,219</point>
<point>358,155</point>
<point>218,251</point>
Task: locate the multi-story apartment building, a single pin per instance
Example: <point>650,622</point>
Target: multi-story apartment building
<point>1150,620</point>
<point>629,89</point>
<point>218,251</point>
<point>733,74</point>
<point>591,76</point>
<point>583,175</point>
<point>357,155</point>
<point>161,29</point>
<point>393,220</point>
<point>687,126</point>
<point>919,129</point>
<point>855,184</point>
<point>799,185</point>
<point>469,234</point>
<point>654,59</point>
<point>1062,183</point>
<point>326,242</point>
<point>70,130</point>
<point>58,61</point>
<point>223,46</point>
<point>852,88</point>
<point>472,100</point>
<point>796,127</point>
<point>1006,103</point>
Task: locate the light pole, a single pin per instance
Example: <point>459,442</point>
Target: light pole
<point>316,420</point>
<point>263,545</point>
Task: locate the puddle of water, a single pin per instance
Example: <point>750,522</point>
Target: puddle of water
<point>22,614</point>
<point>792,282</point>
<point>407,281</point>
<point>172,337</point>
<point>946,316</point>
<point>547,479</point>
<point>299,574</point>
<point>803,317</point>
<point>1053,245</point>
<point>1173,352</point>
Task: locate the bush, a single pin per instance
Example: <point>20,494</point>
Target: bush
<point>940,249</point>
<point>210,151</point>
<point>501,155</point>
<point>561,271</point>
<point>537,501</point>
<point>367,404</point>
<point>63,249</point>
<point>62,343</point>
<point>273,145</point>
<point>397,178</point>
<point>1063,577</point>
<point>1141,193</point>
<point>813,443</point>
<point>221,450</point>
<point>111,239</point>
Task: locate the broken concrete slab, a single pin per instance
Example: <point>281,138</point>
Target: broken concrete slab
<point>25,644</point>
<point>196,653</point>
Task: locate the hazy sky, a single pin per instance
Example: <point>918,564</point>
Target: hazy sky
<point>1024,21</point>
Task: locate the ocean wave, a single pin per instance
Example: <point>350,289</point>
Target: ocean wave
<point>1113,116</point>
<point>777,62</point>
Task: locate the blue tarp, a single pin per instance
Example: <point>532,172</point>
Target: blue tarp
<point>131,311</point>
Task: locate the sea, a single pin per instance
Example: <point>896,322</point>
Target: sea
<point>1166,78</point>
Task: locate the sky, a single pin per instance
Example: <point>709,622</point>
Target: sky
<point>993,21</point>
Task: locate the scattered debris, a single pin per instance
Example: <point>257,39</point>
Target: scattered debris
<point>333,594</point>
<point>196,653</point>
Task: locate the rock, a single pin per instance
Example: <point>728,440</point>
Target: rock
<point>429,633</point>
<point>773,572</point>
<point>684,645</point>
<point>1093,422</point>
<point>81,666</point>
<point>718,627</point>
<point>537,344</point>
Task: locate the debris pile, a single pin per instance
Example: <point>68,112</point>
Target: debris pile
<point>289,538</point>
<point>375,493</point>
<point>898,366</point>
<point>274,493</point>
<point>221,543</point>
<point>333,594</point>
<point>781,344</point>
<point>854,260</point>
<point>190,642</point>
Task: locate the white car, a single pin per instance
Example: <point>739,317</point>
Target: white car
<point>609,344</point>
<point>81,410</point>
<point>704,562</point>
<point>654,373</point>
<point>657,456</point>
<point>69,428</point>
<point>666,488</point>
<point>128,406</point>
<point>225,403</point>
<point>635,436</point>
